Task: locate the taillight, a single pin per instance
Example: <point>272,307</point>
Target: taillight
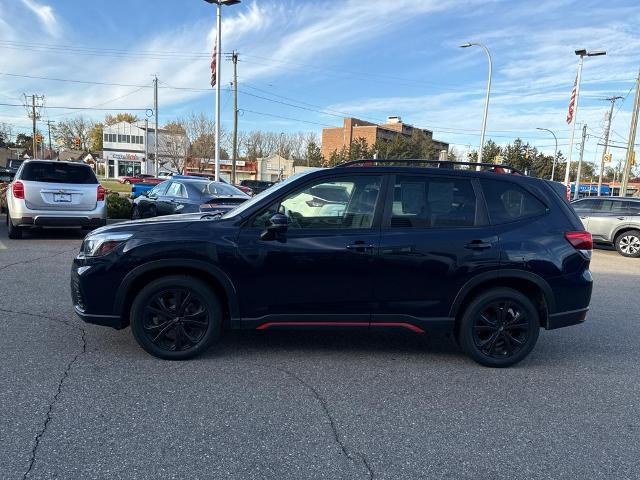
<point>17,188</point>
<point>580,240</point>
<point>100,193</point>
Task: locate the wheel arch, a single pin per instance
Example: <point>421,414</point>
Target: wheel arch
<point>625,228</point>
<point>530,284</point>
<point>210,274</point>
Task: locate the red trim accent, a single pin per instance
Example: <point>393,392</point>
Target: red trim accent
<point>264,326</point>
<point>408,326</point>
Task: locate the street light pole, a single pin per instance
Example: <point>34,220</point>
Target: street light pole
<point>555,153</point>
<point>486,100</point>
<point>581,53</point>
<point>219,4</point>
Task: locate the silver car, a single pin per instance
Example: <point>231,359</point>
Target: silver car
<point>49,193</point>
<point>612,220</point>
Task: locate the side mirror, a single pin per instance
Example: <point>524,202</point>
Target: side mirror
<point>145,193</point>
<point>276,226</point>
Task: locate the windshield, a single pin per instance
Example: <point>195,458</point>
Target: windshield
<point>274,188</point>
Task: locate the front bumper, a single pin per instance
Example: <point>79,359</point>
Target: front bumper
<point>92,295</point>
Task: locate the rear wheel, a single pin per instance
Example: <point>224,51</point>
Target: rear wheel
<point>176,317</point>
<point>499,328</point>
<point>14,233</point>
<point>628,243</point>
<point>135,213</point>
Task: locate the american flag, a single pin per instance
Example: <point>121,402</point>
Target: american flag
<point>572,101</point>
<point>214,60</point>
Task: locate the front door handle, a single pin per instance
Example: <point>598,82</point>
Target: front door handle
<point>359,246</point>
<point>477,245</point>
<point>622,218</point>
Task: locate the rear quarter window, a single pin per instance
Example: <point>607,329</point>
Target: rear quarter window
<point>508,202</point>
<point>50,172</point>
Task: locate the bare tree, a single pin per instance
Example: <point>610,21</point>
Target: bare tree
<point>201,132</point>
<point>173,146</point>
<point>68,132</point>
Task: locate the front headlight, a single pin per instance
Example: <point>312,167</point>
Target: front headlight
<point>103,243</point>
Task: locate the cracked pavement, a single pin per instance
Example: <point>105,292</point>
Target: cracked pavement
<point>81,401</point>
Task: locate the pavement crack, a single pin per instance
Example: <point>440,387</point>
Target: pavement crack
<point>332,422</point>
<point>2,267</point>
<point>38,315</point>
<point>54,400</point>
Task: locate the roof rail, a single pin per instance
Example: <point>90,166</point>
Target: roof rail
<point>440,163</point>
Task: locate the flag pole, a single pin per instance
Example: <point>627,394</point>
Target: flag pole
<point>218,65</point>
<point>573,121</point>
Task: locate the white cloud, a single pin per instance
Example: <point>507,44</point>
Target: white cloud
<point>45,15</point>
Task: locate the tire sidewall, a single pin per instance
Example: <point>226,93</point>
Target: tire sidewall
<point>208,296</point>
<point>477,305</point>
<point>635,233</point>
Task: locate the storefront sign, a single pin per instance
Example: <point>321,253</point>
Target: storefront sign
<point>123,156</point>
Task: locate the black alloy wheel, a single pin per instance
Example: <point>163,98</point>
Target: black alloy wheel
<point>499,327</point>
<point>176,317</point>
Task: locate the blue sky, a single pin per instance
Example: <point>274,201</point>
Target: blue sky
<point>369,59</point>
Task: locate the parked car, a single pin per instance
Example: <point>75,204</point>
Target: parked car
<point>140,178</point>
<point>46,193</point>
<point>186,196</point>
<point>612,221</point>
<point>256,186</point>
<point>244,189</point>
<point>490,257</point>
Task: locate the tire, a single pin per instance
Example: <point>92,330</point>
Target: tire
<point>127,182</point>
<point>14,233</point>
<point>135,213</point>
<point>499,327</point>
<point>628,244</point>
<point>171,331</point>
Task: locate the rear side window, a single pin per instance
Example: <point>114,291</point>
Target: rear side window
<point>507,202</point>
<point>428,202</point>
<point>50,172</point>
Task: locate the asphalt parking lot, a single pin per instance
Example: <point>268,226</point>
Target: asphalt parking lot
<point>80,401</point>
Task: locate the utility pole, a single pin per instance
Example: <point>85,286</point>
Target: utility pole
<point>631,140</point>
<point>33,117</point>
<point>155,133</point>
<point>606,141</point>
<point>584,138</point>
<point>49,122</point>
<point>234,58</point>
<point>146,145</point>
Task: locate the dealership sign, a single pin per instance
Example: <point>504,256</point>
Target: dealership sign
<point>124,156</point>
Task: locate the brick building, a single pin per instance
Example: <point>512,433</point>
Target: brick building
<point>333,139</point>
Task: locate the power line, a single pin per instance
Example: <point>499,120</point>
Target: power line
<point>241,110</point>
<point>77,108</point>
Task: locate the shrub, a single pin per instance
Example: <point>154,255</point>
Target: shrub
<point>118,207</point>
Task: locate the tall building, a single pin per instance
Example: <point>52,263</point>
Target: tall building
<point>334,139</point>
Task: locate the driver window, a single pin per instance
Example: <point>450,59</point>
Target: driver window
<point>343,203</point>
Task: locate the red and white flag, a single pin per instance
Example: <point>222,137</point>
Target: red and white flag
<point>572,101</point>
<point>214,62</point>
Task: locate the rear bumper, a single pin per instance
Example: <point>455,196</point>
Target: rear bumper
<point>566,319</point>
<point>21,216</point>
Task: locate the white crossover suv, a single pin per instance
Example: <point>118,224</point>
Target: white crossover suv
<point>50,193</point>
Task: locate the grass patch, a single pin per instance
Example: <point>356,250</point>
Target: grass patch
<point>115,186</point>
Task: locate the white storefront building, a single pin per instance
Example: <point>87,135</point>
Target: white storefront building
<point>128,149</point>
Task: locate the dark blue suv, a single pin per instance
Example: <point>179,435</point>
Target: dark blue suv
<point>490,256</point>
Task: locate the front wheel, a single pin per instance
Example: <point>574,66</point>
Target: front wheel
<point>628,244</point>
<point>176,317</point>
<point>499,327</point>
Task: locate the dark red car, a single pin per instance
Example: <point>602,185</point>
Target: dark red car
<point>140,178</point>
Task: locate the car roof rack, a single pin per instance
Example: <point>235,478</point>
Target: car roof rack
<point>438,163</point>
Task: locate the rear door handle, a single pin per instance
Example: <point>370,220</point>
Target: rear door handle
<point>477,245</point>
